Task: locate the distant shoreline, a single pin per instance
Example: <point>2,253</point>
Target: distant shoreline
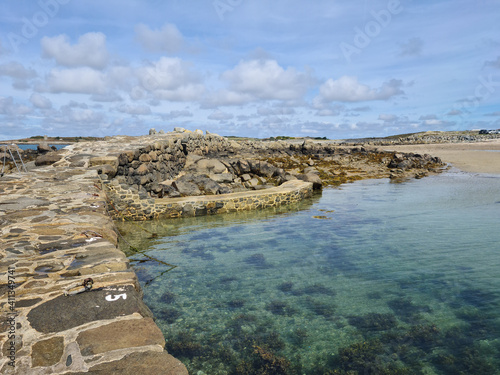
<point>473,157</point>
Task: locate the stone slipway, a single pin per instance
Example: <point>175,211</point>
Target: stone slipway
<point>54,233</point>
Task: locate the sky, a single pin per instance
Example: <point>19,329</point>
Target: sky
<point>323,68</point>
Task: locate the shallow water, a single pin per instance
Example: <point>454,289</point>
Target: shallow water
<point>372,278</point>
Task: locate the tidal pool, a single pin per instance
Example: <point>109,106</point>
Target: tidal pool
<point>369,278</point>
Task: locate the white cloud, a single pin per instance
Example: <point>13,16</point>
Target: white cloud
<point>40,101</point>
<point>348,89</point>
<point>171,79</point>
<point>167,39</point>
<point>9,108</point>
<point>387,117</point>
<point>176,114</point>
<point>221,116</point>
<point>108,97</point>
<point>90,50</point>
<point>20,75</point>
<point>362,109</point>
<point>134,110</point>
<point>74,113</point>
<point>76,81</point>
<point>266,80</point>
<point>428,117</point>
<point>433,122</point>
<point>326,112</point>
<point>16,70</point>
<point>120,77</point>
<point>226,98</point>
<point>276,111</point>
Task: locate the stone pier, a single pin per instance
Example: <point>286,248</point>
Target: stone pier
<point>55,233</point>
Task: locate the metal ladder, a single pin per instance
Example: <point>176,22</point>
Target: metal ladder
<point>8,148</point>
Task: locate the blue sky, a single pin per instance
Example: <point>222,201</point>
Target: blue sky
<point>339,69</point>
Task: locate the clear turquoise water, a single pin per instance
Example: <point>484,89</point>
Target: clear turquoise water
<point>370,278</point>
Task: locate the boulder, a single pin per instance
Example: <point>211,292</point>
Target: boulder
<point>266,169</point>
<point>242,167</point>
<point>142,170</point>
<point>252,183</point>
<point>179,130</point>
<point>169,191</point>
<point>47,159</point>
<point>191,184</point>
<point>222,178</point>
<point>312,177</point>
<point>4,156</point>
<point>186,188</point>
<point>210,166</point>
<point>152,131</point>
<point>246,177</point>
<point>43,148</point>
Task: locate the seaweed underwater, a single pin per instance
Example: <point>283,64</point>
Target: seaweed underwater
<point>317,302</point>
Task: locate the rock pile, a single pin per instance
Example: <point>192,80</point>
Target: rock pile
<point>193,164</point>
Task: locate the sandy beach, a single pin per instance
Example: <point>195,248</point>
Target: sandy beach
<point>476,157</point>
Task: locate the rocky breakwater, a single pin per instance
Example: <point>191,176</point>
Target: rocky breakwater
<point>56,238</point>
<point>161,176</point>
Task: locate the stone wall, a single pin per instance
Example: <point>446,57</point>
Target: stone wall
<point>132,205</point>
<point>146,167</point>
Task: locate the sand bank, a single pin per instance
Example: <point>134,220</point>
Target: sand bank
<point>476,157</point>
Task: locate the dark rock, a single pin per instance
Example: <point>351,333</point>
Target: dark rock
<point>222,177</point>
<point>190,184</point>
<point>312,177</point>
<point>186,188</point>
<point>47,159</point>
<point>267,170</point>
<point>62,313</point>
<point>169,191</point>
<point>123,159</point>
<point>27,302</point>
<point>43,148</point>
<point>145,158</point>
<point>242,167</point>
<point>142,169</point>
